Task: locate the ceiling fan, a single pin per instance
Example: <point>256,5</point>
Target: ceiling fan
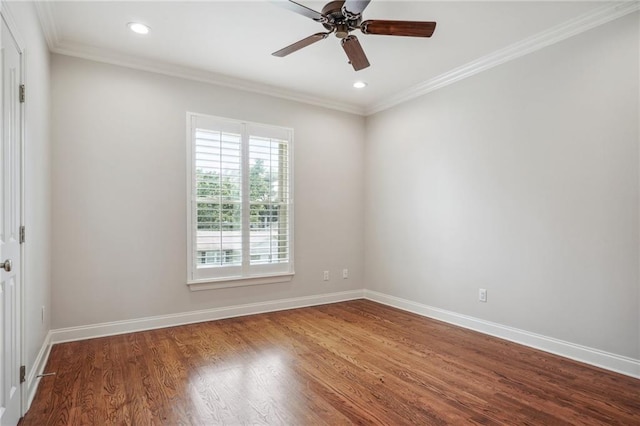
<point>342,17</point>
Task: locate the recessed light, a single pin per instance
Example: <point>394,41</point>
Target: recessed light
<point>138,28</point>
<point>359,84</point>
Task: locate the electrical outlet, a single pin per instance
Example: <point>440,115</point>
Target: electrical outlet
<point>345,273</point>
<point>482,295</point>
<point>326,276</point>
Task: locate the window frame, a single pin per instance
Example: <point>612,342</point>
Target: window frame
<point>258,274</point>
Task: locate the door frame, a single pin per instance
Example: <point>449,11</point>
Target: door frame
<point>7,17</point>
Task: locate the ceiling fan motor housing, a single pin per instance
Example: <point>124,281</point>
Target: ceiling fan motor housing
<point>339,20</point>
<point>342,17</point>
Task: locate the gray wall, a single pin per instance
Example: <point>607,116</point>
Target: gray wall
<point>119,193</point>
<point>37,174</point>
<point>523,180</point>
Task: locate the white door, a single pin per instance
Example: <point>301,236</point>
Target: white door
<point>10,222</point>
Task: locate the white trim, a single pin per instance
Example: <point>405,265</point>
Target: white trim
<point>7,16</point>
<point>582,23</point>
<point>209,284</point>
<point>570,28</point>
<point>606,360</point>
<point>246,273</point>
<point>180,71</point>
<point>36,369</point>
<point>47,23</point>
<point>161,321</point>
<point>602,359</point>
<point>13,27</point>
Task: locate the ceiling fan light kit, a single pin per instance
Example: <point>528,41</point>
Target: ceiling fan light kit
<point>343,17</point>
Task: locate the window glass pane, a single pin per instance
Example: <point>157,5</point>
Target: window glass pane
<point>240,203</point>
<point>219,198</point>
<point>268,200</point>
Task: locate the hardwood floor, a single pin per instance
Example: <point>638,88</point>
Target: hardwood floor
<point>352,362</point>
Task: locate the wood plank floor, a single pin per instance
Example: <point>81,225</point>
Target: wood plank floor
<point>353,362</point>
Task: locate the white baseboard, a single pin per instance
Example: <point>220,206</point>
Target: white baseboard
<point>606,360</point>
<point>598,358</point>
<point>37,368</point>
<point>140,324</point>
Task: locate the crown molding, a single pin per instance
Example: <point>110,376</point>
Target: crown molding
<point>570,28</point>
<point>49,28</point>
<point>48,24</point>
<point>172,70</point>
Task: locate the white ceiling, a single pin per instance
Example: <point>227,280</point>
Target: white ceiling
<point>231,42</point>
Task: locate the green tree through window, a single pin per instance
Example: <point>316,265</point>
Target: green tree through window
<point>217,209</point>
<point>241,201</point>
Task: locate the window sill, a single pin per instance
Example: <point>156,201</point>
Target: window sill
<point>238,282</point>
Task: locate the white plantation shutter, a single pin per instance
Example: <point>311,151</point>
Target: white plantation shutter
<point>240,206</point>
<point>269,195</point>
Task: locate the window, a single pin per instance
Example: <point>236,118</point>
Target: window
<point>240,210</point>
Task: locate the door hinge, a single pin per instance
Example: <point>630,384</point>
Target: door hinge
<point>22,234</point>
<point>22,93</point>
<point>23,374</point>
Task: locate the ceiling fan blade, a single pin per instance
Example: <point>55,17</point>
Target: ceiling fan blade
<point>301,10</point>
<point>354,52</point>
<point>354,7</point>
<point>398,28</point>
<point>300,44</point>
